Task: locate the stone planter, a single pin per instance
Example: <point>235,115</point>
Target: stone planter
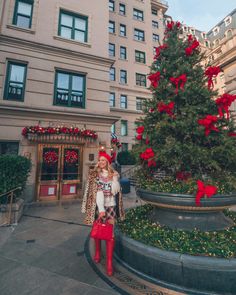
<point>16,212</point>
<point>178,211</point>
<point>184,273</point>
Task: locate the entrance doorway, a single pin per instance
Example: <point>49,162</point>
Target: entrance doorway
<point>59,173</point>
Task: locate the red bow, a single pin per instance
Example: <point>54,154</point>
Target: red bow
<point>147,154</point>
<point>224,102</point>
<point>168,108</point>
<point>208,190</point>
<point>212,72</point>
<point>208,122</point>
<point>158,50</point>
<point>140,129</point>
<point>179,80</point>
<point>154,79</point>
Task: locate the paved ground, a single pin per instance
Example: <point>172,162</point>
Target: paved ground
<point>44,254</point>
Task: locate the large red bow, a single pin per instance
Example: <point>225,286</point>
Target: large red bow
<point>147,154</point>
<point>224,102</point>
<point>194,45</point>
<point>212,72</point>
<point>179,81</point>
<point>208,122</point>
<point>154,79</point>
<point>167,108</point>
<point>204,190</point>
<point>158,50</point>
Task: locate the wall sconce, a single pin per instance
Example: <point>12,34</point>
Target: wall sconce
<point>91,157</point>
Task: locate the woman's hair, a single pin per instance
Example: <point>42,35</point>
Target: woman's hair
<point>108,168</point>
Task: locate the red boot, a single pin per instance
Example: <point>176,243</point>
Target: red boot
<point>97,256</point>
<point>110,245</point>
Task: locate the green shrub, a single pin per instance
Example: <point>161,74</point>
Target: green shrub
<point>126,158</point>
<point>14,171</point>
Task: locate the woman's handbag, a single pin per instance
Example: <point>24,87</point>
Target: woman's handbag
<point>102,231</point>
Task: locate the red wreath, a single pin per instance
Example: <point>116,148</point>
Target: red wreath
<point>50,157</point>
<point>71,157</point>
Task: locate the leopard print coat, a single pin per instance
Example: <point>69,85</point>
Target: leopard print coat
<point>89,200</point>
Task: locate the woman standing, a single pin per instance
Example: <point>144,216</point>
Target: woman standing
<point>102,199</point>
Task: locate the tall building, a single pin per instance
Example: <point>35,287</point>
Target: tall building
<point>69,71</point>
<point>136,27</point>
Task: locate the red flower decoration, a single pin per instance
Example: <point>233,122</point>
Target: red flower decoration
<point>50,157</point>
<point>170,25</point>
<point>179,82</point>
<point>71,156</point>
<point>224,102</point>
<point>204,190</point>
<point>154,79</point>
<point>212,72</point>
<point>167,108</point>
<point>140,129</point>
<point>208,122</point>
<point>151,163</point>
<point>147,154</point>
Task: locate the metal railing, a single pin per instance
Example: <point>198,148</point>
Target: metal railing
<point>8,207</point>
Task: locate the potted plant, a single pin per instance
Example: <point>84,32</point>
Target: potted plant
<point>14,171</point>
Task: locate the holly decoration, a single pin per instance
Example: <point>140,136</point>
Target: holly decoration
<point>50,157</point>
<point>71,156</point>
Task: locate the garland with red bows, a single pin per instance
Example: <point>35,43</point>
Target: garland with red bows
<point>50,157</point>
<point>71,156</point>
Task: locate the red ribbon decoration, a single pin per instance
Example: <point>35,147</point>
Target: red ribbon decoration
<point>194,45</point>
<point>179,81</point>
<point>158,50</point>
<point>224,102</point>
<point>212,72</point>
<point>147,154</point>
<point>208,122</point>
<point>167,108</point>
<point>204,190</point>
<point>154,79</point>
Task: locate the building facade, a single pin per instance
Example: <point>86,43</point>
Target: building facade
<point>54,76</point>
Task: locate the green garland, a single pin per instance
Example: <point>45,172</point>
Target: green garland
<point>215,244</point>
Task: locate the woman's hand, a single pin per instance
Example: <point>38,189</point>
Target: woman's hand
<point>102,214</point>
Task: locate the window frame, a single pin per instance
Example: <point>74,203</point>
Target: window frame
<point>15,15</point>
<point>138,36</point>
<point>71,74</point>
<point>139,14</point>
<point>125,53</point>
<point>74,16</point>
<point>155,24</point>
<point>139,104</point>
<point>114,50</point>
<point>9,142</point>
<point>114,74</point>
<point>123,104</point>
<point>112,8</point>
<point>126,127</point>
<point>125,72</point>
<point>114,27</point>
<point>137,80</point>
<point>112,102</point>
<point>122,12</point>
<point>7,81</point>
<point>113,128</point>
<point>138,58</point>
<point>155,37</point>
<point>154,11</point>
<point>123,30</point>
<point>126,145</point>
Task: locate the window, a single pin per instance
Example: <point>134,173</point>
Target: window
<point>154,11</point>
<point>123,77</point>
<point>123,102</point>
<point>123,52</point>
<point>112,74</point>
<point>154,50</point>
<point>69,89</point>
<point>122,30</point>
<point>215,31</point>
<point>207,43</point>
<point>111,49</point>
<point>111,5</point>
<point>124,128</point>
<point>227,21</point>
<point>139,35</point>
<point>140,56</point>
<point>122,9</point>
<point>124,147</point>
<point>113,128</point>
<point>111,27</point>
<point>229,34</point>
<point>23,13</point>
<point>9,147</point>
<point>112,99</point>
<point>73,26</point>
<point>155,37</point>
<point>154,24</point>
<point>138,14</point>
<point>140,79</point>
<point>15,81</point>
<point>217,42</point>
<point>139,103</point>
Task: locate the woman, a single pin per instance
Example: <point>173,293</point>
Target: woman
<point>102,199</point>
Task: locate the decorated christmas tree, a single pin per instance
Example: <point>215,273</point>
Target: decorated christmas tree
<point>187,139</point>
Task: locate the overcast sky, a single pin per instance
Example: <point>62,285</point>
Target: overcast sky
<point>201,14</point>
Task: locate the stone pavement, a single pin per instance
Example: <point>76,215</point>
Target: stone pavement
<point>45,253</point>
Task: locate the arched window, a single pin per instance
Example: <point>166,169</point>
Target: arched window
<point>229,34</point>
<point>217,42</point>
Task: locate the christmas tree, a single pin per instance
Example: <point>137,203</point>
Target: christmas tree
<point>188,131</point>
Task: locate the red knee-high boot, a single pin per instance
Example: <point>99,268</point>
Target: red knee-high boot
<point>97,256</point>
<point>110,245</point>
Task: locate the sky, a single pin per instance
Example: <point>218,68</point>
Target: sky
<point>201,14</point>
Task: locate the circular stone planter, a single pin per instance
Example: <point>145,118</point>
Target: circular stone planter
<point>186,273</point>
<point>178,211</point>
